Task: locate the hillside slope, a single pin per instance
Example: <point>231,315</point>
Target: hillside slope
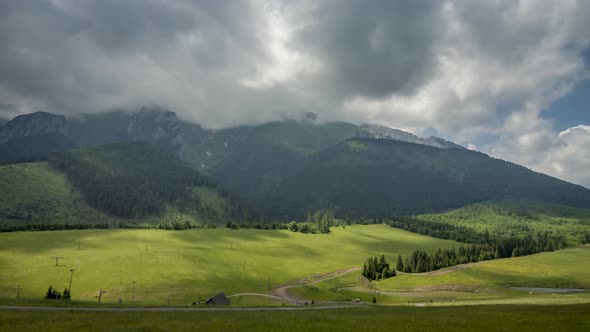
<point>367,177</point>
<point>267,155</point>
<point>35,193</point>
<point>33,148</point>
<point>122,184</point>
<point>136,180</point>
<point>283,169</point>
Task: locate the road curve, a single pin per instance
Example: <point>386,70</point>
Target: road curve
<point>282,290</point>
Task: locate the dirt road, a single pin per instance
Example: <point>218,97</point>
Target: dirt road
<point>282,291</point>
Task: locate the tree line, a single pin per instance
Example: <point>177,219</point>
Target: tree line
<point>54,294</point>
<point>420,261</point>
<point>377,268</point>
<point>438,230</point>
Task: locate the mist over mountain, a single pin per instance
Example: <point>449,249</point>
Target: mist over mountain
<point>193,143</point>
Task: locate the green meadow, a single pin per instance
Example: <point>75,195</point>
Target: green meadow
<point>478,283</point>
<point>567,268</point>
<point>179,267</point>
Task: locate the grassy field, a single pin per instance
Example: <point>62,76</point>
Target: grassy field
<point>472,318</point>
<point>567,268</point>
<point>479,283</point>
<point>181,266</point>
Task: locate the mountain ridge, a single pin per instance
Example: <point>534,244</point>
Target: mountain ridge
<point>163,127</point>
<point>288,169</point>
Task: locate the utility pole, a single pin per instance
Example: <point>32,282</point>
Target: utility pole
<point>133,292</point>
<point>78,245</point>
<point>100,295</point>
<point>71,277</point>
<point>57,258</point>
<point>17,291</point>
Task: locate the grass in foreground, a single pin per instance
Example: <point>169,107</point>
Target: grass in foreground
<point>474,318</point>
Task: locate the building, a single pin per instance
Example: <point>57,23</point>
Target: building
<point>219,299</point>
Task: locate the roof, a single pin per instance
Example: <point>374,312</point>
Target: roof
<point>218,299</point>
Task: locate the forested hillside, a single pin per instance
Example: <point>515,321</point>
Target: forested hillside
<point>256,160</point>
<point>283,170</point>
<point>35,193</point>
<point>135,180</point>
<point>368,177</point>
<point>33,148</point>
<point>512,218</point>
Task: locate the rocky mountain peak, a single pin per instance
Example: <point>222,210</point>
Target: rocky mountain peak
<point>382,132</point>
<point>155,124</point>
<point>33,124</point>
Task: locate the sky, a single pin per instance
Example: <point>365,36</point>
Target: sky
<point>508,78</point>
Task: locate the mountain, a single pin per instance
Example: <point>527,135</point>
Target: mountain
<point>256,159</point>
<point>199,146</point>
<point>101,128</point>
<point>135,180</point>
<point>282,169</point>
<point>33,148</point>
<point>365,177</point>
<point>33,124</point>
<point>36,193</point>
<point>123,183</point>
<point>382,132</point>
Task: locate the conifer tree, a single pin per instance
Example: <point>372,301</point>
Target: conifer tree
<point>400,264</point>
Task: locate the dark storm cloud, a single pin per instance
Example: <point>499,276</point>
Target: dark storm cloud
<point>80,56</point>
<point>372,48</point>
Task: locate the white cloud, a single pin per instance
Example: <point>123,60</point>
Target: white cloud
<point>565,155</point>
<point>285,63</point>
<point>524,56</point>
<point>571,160</point>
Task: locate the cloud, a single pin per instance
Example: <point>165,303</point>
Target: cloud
<point>570,160</point>
<point>461,69</point>
<point>565,155</point>
<point>518,55</point>
<point>71,56</point>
